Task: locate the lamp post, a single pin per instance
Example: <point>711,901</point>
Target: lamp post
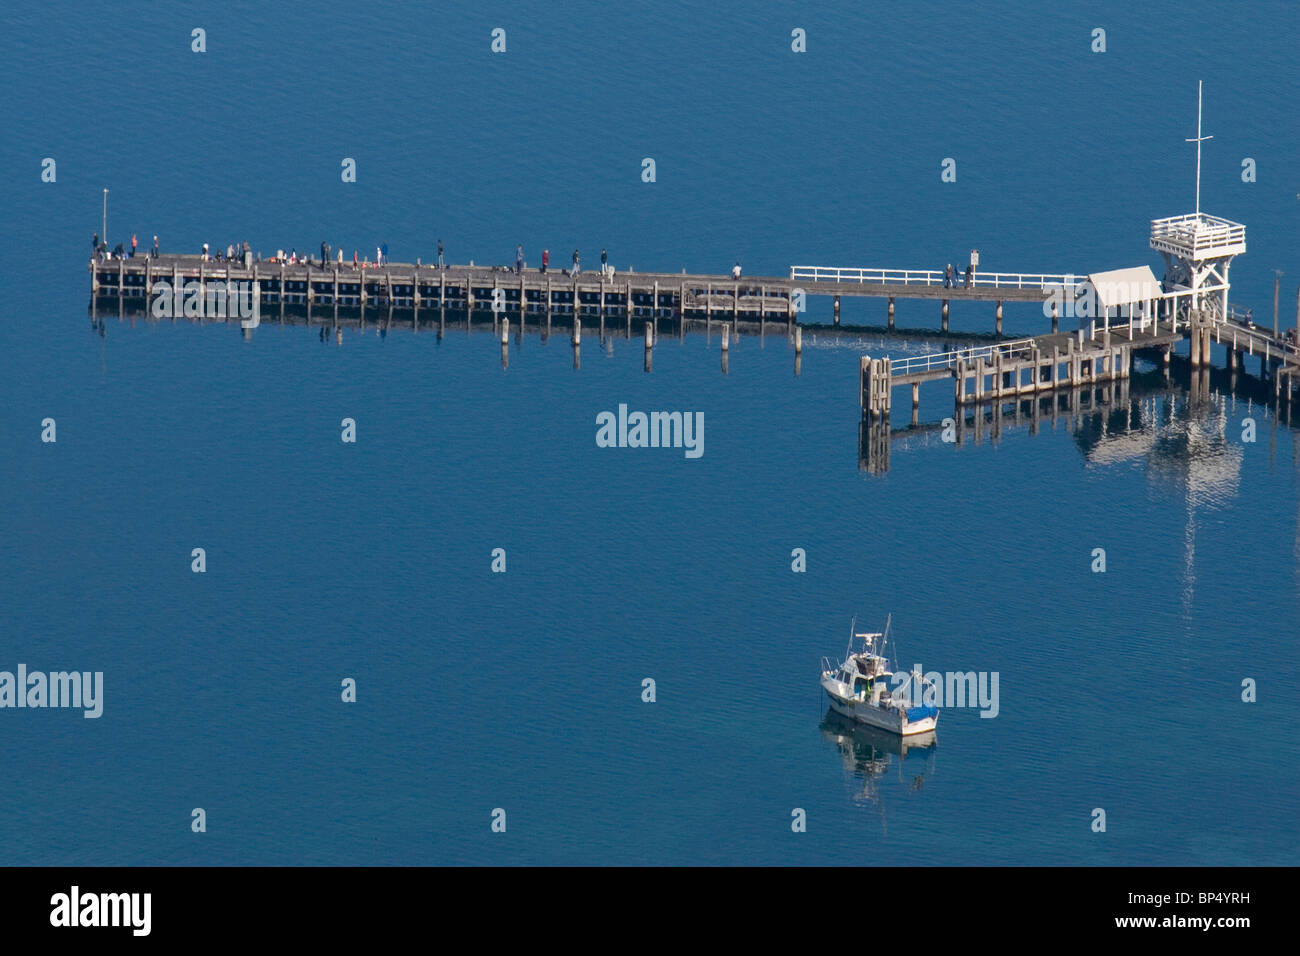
<point>1277,274</point>
<point>105,223</point>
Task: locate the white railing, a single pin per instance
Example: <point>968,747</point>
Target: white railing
<point>933,277</point>
<point>1184,300</point>
<point>944,360</point>
<point>864,276</point>
<point>1198,232</point>
<point>1022,280</point>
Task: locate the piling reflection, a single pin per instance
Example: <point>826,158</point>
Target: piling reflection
<point>1186,431</point>
<point>1188,439</point>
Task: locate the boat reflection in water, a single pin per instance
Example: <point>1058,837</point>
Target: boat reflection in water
<point>869,754</point>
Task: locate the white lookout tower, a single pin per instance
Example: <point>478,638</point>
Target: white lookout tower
<point>1198,249</point>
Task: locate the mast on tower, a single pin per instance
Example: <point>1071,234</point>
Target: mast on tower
<point>1198,250</point>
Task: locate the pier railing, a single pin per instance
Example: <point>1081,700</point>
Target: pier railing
<point>936,361</point>
<point>1240,315</point>
<point>932,277</point>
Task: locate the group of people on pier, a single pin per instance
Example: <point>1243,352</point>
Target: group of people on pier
<point>951,276</point>
<point>575,269</point>
<point>100,252</point>
<point>242,253</point>
<point>235,252</point>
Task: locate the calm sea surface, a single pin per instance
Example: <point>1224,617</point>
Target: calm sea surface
<point>522,690</point>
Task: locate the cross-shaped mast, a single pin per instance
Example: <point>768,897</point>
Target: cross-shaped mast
<point>1198,140</point>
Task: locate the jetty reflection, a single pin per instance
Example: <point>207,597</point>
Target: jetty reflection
<point>1187,429</point>
<point>869,754</point>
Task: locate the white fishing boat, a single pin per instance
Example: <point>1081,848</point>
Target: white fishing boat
<point>859,688</point>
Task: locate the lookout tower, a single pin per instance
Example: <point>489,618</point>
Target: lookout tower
<point>1198,249</point>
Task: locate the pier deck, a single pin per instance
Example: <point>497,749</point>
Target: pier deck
<point>1005,369</point>
<point>1025,367</point>
<point>498,289</point>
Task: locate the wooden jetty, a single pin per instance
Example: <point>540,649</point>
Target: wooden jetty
<point>1124,311</point>
<point>474,289</point>
<point>987,418</point>
<point>1103,353</point>
<point>1013,368</point>
<point>1195,310</point>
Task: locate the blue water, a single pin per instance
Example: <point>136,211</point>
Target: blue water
<point>523,690</point>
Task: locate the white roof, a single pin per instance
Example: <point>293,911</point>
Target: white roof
<point>1124,286</point>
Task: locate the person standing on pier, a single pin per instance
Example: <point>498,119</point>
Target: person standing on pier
<point>383,249</point>
<point>354,258</point>
<point>970,276</point>
<point>205,252</point>
<point>577,268</point>
<point>519,259</point>
<point>133,245</point>
<point>155,247</point>
<point>546,259</point>
<point>440,262</point>
<point>735,270</point>
<point>94,245</point>
<point>947,277</point>
<point>604,262</point>
<point>324,253</point>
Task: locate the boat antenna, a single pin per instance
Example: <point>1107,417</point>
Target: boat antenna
<point>848,651</point>
<point>884,638</point>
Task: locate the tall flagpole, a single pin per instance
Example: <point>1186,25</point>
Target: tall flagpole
<point>1198,140</point>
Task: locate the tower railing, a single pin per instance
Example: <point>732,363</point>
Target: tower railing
<point>1197,233</point>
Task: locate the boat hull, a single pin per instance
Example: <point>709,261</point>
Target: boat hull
<point>864,712</point>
